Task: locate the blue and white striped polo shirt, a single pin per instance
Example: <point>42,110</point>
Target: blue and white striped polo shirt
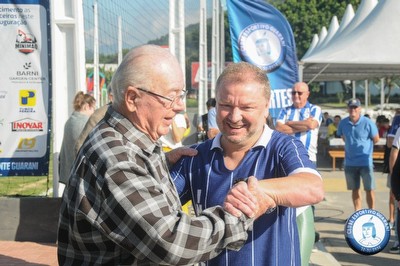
<point>308,138</point>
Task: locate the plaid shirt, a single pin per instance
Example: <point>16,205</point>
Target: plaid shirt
<point>121,207</point>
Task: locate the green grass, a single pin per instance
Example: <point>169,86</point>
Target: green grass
<point>17,186</point>
<point>28,186</point>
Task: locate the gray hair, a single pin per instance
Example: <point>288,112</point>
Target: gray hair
<point>137,69</point>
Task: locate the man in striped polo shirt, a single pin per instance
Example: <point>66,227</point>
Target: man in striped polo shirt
<point>245,147</point>
<point>302,120</point>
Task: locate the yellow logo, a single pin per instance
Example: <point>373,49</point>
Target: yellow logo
<point>27,98</point>
<point>26,143</point>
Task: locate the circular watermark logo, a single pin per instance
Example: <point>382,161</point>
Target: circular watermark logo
<point>263,45</point>
<point>367,231</point>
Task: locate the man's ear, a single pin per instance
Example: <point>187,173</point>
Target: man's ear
<point>131,97</point>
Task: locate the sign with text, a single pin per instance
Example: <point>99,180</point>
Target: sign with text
<point>25,88</point>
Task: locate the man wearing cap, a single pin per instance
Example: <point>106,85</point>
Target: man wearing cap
<point>359,134</point>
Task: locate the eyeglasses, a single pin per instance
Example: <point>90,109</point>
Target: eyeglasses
<point>172,100</point>
<point>298,92</point>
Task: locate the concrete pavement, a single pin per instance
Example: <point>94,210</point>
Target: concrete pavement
<point>331,215</point>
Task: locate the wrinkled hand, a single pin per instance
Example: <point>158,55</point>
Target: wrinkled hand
<point>248,199</point>
<point>265,202</point>
<point>174,155</point>
<point>240,200</point>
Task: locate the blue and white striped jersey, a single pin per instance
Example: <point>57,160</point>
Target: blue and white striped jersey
<point>205,180</point>
<point>308,138</point>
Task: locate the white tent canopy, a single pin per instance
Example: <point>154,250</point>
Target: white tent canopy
<point>368,47</point>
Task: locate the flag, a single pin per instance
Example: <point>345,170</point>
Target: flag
<point>262,36</point>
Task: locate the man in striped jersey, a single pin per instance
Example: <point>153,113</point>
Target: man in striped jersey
<point>302,120</point>
<point>245,147</point>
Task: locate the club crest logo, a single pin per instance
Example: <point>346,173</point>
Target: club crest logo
<point>367,231</point>
<point>263,45</point>
<point>25,42</point>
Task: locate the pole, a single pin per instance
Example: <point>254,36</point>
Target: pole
<point>203,82</point>
<point>96,57</point>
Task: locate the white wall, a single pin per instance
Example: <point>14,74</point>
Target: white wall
<point>68,67</point>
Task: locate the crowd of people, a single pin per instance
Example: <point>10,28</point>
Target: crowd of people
<point>252,184</point>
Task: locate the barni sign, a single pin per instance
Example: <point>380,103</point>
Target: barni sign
<point>25,87</point>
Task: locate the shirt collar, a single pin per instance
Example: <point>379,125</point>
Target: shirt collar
<point>261,142</point>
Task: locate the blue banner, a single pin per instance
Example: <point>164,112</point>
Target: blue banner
<point>261,35</point>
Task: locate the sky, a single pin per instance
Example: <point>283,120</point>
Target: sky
<point>142,20</point>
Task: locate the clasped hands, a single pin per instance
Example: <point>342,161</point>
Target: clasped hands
<point>249,199</point>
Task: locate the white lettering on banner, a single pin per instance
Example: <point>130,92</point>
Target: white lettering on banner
<point>280,98</point>
<point>5,166</point>
<point>25,166</point>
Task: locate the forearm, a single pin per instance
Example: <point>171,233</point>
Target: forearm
<point>212,132</point>
<point>395,179</point>
<point>155,222</point>
<point>295,190</point>
<point>292,127</point>
<point>392,158</point>
<point>285,129</point>
<point>298,126</point>
<point>303,125</point>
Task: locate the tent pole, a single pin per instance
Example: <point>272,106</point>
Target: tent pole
<point>366,95</point>
<point>382,93</point>
<point>301,68</point>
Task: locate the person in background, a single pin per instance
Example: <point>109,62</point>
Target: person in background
<point>120,206</point>
<point>327,120</point>
<point>187,121</point>
<point>393,210</point>
<point>245,147</point>
<point>84,106</point>
<point>395,190</point>
<point>359,135</point>
<point>212,123</point>
<point>332,128</point>
<point>383,127</point>
<point>173,139</point>
<point>389,159</point>
<point>202,127</point>
<point>92,121</point>
<point>302,120</point>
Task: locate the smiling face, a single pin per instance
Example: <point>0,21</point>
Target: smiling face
<point>146,86</point>
<point>154,114</point>
<point>242,110</point>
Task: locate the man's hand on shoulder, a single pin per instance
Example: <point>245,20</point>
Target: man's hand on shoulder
<point>174,155</point>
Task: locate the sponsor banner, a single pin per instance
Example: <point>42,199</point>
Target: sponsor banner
<point>25,89</point>
<point>261,35</point>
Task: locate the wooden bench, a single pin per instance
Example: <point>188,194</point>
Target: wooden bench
<point>336,152</point>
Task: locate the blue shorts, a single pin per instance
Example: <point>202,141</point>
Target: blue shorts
<point>355,173</point>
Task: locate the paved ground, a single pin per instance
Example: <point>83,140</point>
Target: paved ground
<point>14,253</point>
<point>330,217</point>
